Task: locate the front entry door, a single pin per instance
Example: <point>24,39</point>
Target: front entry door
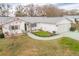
<point>25,26</point>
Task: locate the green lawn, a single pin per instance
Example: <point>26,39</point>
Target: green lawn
<point>43,33</point>
<point>24,45</point>
<point>70,43</point>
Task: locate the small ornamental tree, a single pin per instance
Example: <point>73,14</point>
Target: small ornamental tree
<point>54,32</point>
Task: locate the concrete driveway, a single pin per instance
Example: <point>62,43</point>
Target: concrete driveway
<point>73,35</point>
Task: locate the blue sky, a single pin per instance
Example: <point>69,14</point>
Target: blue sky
<point>63,4</point>
<point>67,6</point>
<point>41,2</point>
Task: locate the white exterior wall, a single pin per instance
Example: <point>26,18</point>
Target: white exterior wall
<point>6,27</point>
<point>62,28</point>
<point>46,27</point>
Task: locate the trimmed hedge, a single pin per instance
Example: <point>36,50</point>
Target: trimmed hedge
<point>72,28</point>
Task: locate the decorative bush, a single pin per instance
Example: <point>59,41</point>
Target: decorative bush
<point>54,32</point>
<point>1,35</point>
<point>72,28</point>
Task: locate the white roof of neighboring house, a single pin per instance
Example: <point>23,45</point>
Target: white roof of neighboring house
<point>52,20</point>
<point>72,17</point>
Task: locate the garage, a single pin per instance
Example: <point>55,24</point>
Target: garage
<point>62,28</point>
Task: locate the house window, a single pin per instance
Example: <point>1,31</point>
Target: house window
<point>15,27</point>
<point>33,24</point>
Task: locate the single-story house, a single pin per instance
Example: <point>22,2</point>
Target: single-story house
<point>19,25</point>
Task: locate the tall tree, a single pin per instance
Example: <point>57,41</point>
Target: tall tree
<point>4,9</point>
<point>19,10</point>
<point>37,10</point>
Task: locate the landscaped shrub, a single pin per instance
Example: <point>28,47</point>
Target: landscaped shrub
<point>54,32</point>
<point>1,35</point>
<point>72,28</point>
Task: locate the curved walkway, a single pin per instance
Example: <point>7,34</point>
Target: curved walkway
<point>43,38</point>
<point>74,35</point>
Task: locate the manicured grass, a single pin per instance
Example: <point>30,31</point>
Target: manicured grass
<point>43,33</point>
<point>24,45</point>
<point>70,43</point>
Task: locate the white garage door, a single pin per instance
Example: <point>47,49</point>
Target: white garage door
<point>63,28</point>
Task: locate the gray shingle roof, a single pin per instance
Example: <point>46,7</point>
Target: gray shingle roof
<point>52,20</point>
<point>4,20</point>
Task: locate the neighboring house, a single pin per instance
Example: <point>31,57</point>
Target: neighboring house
<point>19,25</point>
